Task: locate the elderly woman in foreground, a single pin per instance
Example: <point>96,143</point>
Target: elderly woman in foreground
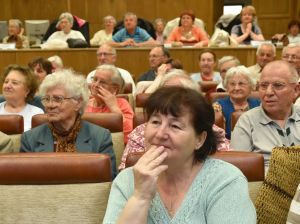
<point>176,180</point>
<point>239,84</point>
<point>136,139</point>
<point>65,95</point>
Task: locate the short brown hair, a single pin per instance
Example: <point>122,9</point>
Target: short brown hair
<point>30,79</point>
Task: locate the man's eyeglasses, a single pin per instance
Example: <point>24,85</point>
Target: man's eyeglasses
<point>105,54</point>
<point>277,86</point>
<point>54,99</point>
<point>292,56</point>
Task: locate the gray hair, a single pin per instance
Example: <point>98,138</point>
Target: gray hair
<point>183,77</point>
<point>109,17</point>
<point>16,22</point>
<point>292,45</point>
<point>157,21</point>
<point>56,59</point>
<point>239,70</point>
<point>266,44</point>
<point>66,15</point>
<point>130,14</point>
<point>112,49</point>
<point>73,83</point>
<point>116,77</point>
<point>228,58</point>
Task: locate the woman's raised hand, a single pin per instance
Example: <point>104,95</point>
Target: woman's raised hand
<point>146,172</point>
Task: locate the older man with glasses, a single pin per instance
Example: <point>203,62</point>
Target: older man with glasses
<point>108,55</point>
<point>277,121</point>
<point>291,54</point>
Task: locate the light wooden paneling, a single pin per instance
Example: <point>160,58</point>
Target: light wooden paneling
<point>135,60</point>
<point>274,16</point>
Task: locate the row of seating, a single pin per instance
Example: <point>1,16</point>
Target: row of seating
<point>77,182</point>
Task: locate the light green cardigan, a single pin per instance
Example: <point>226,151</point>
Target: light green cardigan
<point>218,194</point>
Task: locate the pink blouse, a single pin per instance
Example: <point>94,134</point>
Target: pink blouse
<point>196,35</point>
<point>126,111</point>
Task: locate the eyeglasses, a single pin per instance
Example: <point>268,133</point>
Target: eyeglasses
<point>54,99</point>
<point>155,56</point>
<point>100,82</point>
<point>277,86</point>
<point>292,56</point>
<point>105,54</point>
<point>240,84</point>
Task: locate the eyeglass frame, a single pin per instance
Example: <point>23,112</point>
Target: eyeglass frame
<point>102,83</point>
<point>276,86</point>
<point>48,99</point>
<point>292,56</point>
<point>105,54</point>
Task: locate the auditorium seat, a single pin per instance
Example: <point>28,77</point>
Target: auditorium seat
<point>208,86</point>
<point>54,187</point>
<point>234,118</point>
<point>12,125</point>
<point>250,163</point>
<point>140,101</point>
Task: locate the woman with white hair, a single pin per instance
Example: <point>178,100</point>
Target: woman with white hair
<point>65,130</point>
<point>102,36</point>
<point>65,23</point>
<point>107,83</point>
<point>239,84</point>
<point>15,34</point>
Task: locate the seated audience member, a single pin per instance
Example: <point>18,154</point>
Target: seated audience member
<point>15,34</point>
<point>176,180</point>
<point>224,64</point>
<point>41,68</point>
<point>157,56</point>
<point>102,36</point>
<point>159,25</point>
<point>207,62</point>
<point>131,34</point>
<point>65,23</point>
<point>265,53</point>
<point>248,29</point>
<point>65,131</point>
<point>107,83</point>
<point>291,54</point>
<point>19,85</point>
<point>276,121</point>
<point>187,33</point>
<point>108,55</point>
<point>6,143</point>
<point>239,83</point>
<point>136,140</point>
<point>293,36</point>
<point>161,72</point>
<point>57,63</point>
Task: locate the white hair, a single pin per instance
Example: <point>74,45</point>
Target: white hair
<point>73,83</point>
<point>239,70</point>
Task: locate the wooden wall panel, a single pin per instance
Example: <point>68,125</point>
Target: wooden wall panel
<point>134,60</point>
<point>274,17</point>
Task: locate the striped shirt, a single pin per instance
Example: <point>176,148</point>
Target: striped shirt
<point>140,35</point>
